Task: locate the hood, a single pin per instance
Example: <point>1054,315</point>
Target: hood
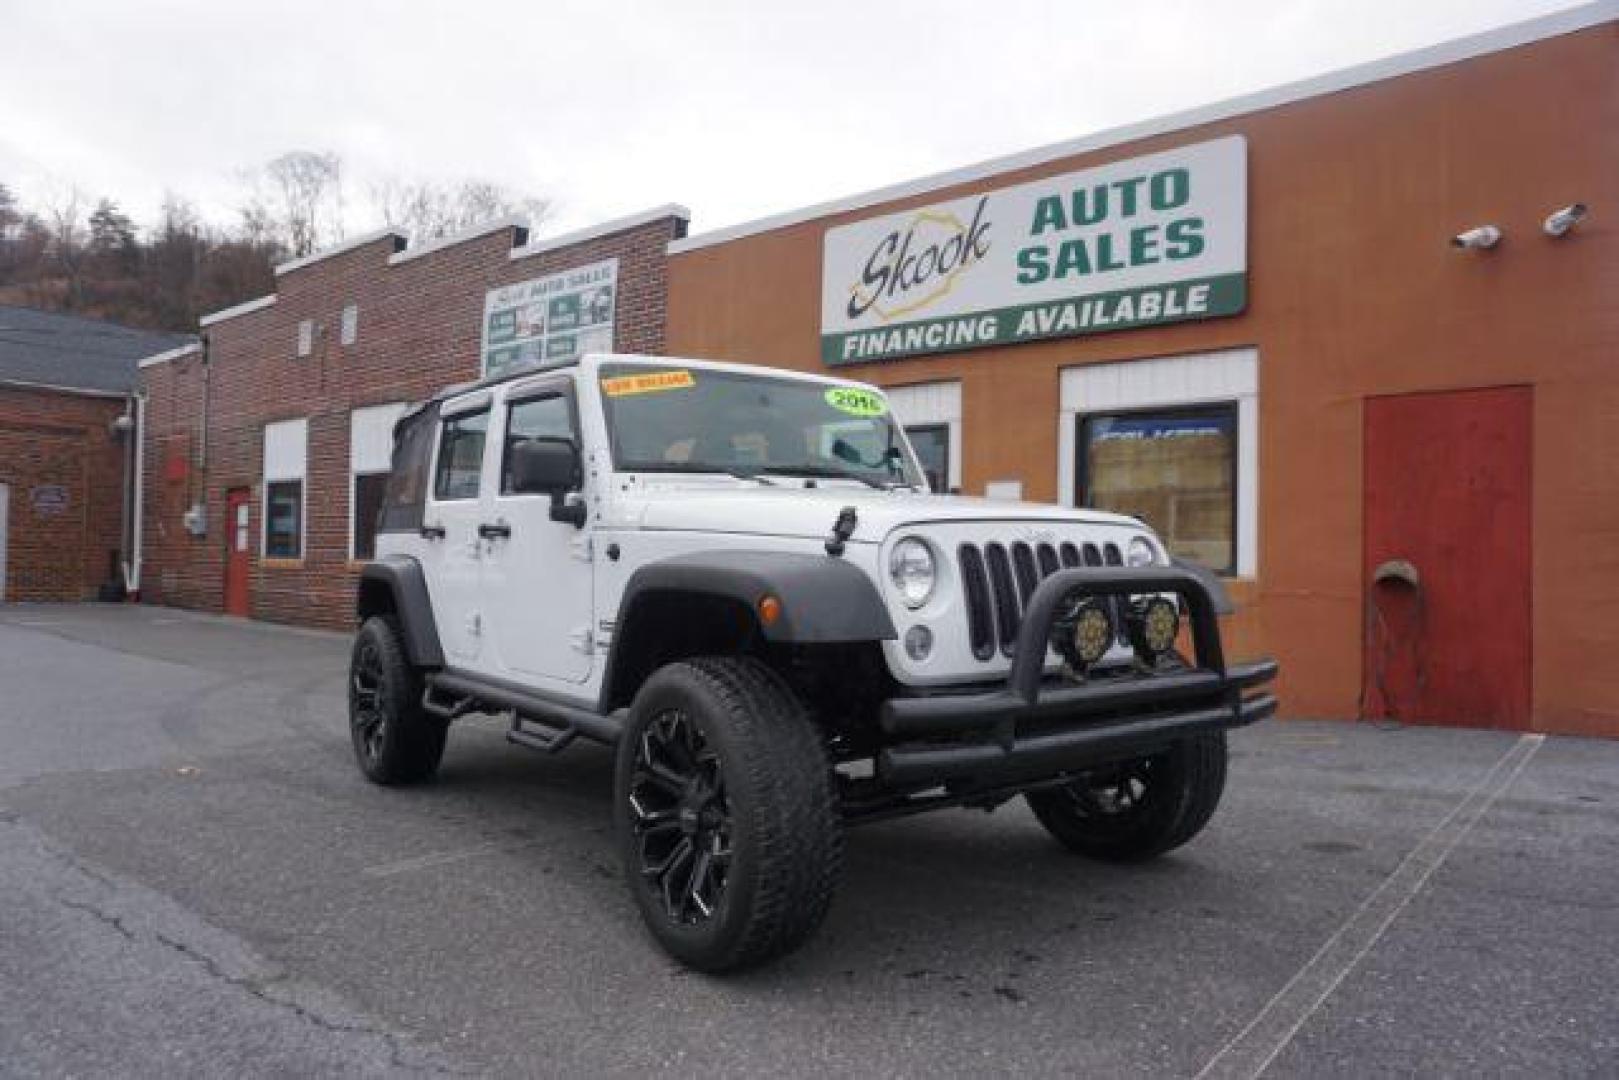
<point>747,507</point>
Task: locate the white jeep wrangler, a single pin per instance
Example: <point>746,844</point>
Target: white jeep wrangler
<point>738,577</point>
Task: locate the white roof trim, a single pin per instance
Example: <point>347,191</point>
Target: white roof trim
<point>1449,52</point>
<point>172,354</point>
<point>78,391</point>
<point>339,249</point>
<point>240,309</point>
<point>606,228</point>
<point>416,251</point>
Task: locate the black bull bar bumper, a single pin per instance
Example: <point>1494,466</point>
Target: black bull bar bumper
<point>1034,727</point>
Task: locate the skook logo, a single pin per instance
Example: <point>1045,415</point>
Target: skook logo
<point>915,265</point>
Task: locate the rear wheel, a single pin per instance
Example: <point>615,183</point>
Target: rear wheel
<point>1138,809</point>
<point>726,813</point>
<point>395,740</point>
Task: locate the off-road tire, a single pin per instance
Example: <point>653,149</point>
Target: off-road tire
<point>1182,788</point>
<point>781,825</point>
<point>395,740</point>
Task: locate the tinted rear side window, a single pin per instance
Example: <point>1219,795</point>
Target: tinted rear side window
<point>402,500</point>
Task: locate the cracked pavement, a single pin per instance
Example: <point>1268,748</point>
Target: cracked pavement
<point>194,881</point>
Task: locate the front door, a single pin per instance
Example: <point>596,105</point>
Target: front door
<point>238,554</point>
<point>1446,633</point>
<point>538,575</point>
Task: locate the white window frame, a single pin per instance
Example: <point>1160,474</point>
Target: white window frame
<point>932,403</point>
<point>350,326</point>
<point>1208,378</point>
<point>286,457</point>
<point>306,337</point>
<point>370,450</point>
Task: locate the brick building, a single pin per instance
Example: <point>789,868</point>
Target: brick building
<point>66,440</point>
<point>265,444</point>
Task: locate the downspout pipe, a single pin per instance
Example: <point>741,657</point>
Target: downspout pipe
<point>137,532</point>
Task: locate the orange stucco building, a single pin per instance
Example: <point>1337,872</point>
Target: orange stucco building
<point>1407,447</point>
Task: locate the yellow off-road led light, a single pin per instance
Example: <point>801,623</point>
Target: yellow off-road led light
<point>1082,634</point>
<point>1153,626</point>
<point>1093,632</point>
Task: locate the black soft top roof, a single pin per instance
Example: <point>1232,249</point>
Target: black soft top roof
<point>457,389</point>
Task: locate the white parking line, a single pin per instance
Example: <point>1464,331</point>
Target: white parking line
<point>1253,1048</point>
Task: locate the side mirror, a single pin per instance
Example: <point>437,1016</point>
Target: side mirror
<point>549,467</point>
<point>544,467</point>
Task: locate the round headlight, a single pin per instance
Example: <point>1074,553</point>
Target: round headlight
<point>911,566</point>
<point>1140,552</point>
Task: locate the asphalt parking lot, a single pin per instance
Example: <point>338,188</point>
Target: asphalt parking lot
<point>196,881</point>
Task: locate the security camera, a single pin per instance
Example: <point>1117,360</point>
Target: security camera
<point>1561,221</point>
<point>1483,238</point>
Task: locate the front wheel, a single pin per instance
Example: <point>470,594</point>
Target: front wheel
<point>727,816</point>
<point>1138,809</point>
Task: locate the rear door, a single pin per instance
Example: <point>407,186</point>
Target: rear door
<point>537,572</point>
<point>456,506</point>
<point>5,509</point>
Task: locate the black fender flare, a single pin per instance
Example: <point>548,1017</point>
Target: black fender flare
<point>400,580</point>
<point>824,601</point>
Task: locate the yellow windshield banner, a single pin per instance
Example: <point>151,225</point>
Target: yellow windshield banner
<point>652,382</point>
<point>856,402</point>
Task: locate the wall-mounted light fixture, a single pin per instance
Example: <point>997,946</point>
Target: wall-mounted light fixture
<point>1481,238</point>
<point>1561,221</point>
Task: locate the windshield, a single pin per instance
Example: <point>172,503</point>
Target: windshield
<point>693,420</point>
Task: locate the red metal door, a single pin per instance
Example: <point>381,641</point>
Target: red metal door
<point>1448,493</point>
<point>238,548</point>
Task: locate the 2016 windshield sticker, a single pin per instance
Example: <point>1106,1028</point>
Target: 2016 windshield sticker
<point>856,402</point>
<point>652,382</point>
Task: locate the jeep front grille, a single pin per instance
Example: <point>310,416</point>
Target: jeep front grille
<point>998,579</point>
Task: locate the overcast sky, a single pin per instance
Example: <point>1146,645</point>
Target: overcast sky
<point>735,109</point>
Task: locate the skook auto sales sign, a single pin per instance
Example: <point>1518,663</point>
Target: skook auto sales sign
<point>1156,239</point>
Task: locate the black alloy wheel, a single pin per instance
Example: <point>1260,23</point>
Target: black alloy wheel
<point>1137,809</point>
<point>726,813</point>
<point>680,817</point>
<point>1116,797</point>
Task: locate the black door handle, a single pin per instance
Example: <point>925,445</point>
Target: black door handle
<point>432,532</point>
<point>499,531</point>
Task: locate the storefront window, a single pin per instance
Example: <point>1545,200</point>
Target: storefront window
<point>283,522</point>
<point>932,444</point>
<point>1174,469</point>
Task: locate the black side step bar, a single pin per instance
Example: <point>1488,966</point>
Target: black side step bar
<point>541,737</point>
<point>558,722</point>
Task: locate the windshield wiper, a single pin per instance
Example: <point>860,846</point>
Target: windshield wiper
<point>746,474</point>
<point>824,471</point>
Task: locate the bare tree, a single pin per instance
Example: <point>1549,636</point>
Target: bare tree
<point>307,199</point>
<point>481,200</point>
<point>426,210</point>
<point>69,247</point>
<point>418,208</point>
